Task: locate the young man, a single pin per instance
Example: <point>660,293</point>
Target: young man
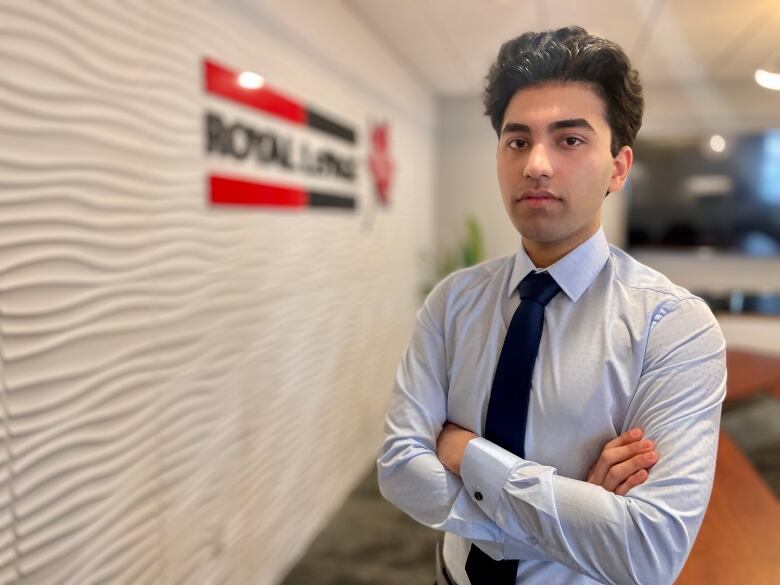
<point>502,405</point>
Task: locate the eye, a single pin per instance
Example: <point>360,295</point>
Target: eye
<point>516,143</point>
<point>573,141</point>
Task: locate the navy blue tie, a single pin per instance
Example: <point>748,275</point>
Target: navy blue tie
<point>508,406</point>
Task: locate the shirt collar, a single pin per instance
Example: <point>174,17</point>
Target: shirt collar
<point>574,273</point>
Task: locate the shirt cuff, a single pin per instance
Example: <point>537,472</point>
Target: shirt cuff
<point>484,470</point>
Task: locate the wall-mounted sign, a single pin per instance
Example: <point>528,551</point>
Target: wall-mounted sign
<point>288,153</point>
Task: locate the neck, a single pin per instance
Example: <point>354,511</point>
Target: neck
<point>545,254</point>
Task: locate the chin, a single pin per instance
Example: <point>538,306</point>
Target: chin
<point>541,234</point>
<point>543,239</point>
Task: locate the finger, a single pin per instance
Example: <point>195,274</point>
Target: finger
<point>614,456</point>
<point>613,452</point>
<point>619,473</point>
<point>635,479</point>
<point>626,438</point>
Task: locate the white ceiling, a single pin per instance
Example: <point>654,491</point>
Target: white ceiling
<point>448,45</point>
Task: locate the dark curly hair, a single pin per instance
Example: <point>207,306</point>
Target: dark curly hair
<point>564,55</point>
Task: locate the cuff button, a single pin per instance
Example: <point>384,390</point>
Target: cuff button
<point>478,496</point>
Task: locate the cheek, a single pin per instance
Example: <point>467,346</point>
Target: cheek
<point>594,179</point>
<point>510,166</point>
<point>504,172</point>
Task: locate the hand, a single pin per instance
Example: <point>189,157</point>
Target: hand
<point>451,445</point>
<point>624,463</point>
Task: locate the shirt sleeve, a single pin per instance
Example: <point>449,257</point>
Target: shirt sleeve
<point>410,474</point>
<point>646,536</point>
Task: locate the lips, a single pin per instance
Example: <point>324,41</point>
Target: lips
<point>538,199</point>
<point>537,195</point>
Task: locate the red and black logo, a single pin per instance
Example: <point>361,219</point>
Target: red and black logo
<point>332,160</point>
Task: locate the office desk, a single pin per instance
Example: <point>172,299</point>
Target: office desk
<point>750,372</point>
<point>739,541</point>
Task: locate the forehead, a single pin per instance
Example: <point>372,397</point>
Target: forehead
<point>546,103</point>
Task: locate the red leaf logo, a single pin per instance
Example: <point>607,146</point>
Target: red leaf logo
<point>380,163</point>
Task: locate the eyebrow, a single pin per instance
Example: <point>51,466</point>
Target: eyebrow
<point>553,126</point>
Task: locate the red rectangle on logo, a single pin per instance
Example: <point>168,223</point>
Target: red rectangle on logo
<point>223,82</point>
<point>227,191</point>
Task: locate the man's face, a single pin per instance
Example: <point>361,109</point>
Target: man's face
<point>555,166</point>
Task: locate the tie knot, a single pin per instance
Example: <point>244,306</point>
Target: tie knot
<point>539,287</point>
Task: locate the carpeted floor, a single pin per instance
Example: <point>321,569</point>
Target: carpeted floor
<point>370,542</point>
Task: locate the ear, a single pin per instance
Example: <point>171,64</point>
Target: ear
<point>622,164</point>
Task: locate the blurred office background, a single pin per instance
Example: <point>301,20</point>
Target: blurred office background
<point>205,288</point>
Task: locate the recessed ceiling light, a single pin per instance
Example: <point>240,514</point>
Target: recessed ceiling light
<point>768,79</point>
<point>717,143</point>
<point>249,80</point>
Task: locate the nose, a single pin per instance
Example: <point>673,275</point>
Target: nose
<point>538,165</point>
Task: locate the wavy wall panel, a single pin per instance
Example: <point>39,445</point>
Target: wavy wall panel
<point>186,393</point>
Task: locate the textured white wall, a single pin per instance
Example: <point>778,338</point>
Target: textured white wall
<point>186,392</point>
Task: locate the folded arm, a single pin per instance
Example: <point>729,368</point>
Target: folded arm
<point>411,475</point>
<point>646,536</point>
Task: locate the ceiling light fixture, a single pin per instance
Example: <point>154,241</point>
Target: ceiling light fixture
<point>768,79</point>
<point>717,143</point>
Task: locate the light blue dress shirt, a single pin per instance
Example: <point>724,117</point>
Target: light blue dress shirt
<point>622,347</point>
